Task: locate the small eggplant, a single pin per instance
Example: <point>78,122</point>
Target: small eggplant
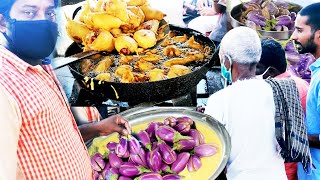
<point>205,150</point>
<point>290,46</point>
<point>183,128</point>
<point>283,20</point>
<point>149,176</point>
<point>165,168</point>
<point>122,147</point>
<point>114,160</point>
<point>151,129</point>
<point>97,162</point>
<point>194,163</point>
<point>197,136</point>
<point>170,121</point>
<point>282,4</point>
<point>171,177</point>
<point>293,57</point>
<point>96,175</point>
<point>112,146</point>
<point>168,134</point>
<point>131,170</point>
<point>124,178</point>
<point>167,153</point>
<point>134,146</point>
<point>112,174</point>
<point>144,139</point>
<point>154,160</point>
<point>105,170</point>
<point>257,17</point>
<point>293,16</point>
<point>180,163</point>
<point>184,144</point>
<point>126,155</point>
<point>139,159</point>
<point>185,119</point>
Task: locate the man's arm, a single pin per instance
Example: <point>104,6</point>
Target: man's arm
<point>105,127</point>
<point>314,141</point>
<point>9,127</point>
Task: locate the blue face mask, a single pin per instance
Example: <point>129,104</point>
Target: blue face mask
<point>226,74</point>
<point>32,39</point>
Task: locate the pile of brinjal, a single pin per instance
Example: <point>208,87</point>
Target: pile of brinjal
<point>268,15</point>
<point>161,151</point>
<point>298,63</point>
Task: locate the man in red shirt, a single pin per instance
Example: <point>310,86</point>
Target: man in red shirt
<point>39,136</point>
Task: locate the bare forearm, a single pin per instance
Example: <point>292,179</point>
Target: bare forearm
<point>314,141</point>
<point>89,131</point>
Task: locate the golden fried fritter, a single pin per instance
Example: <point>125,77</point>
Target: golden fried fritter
<point>152,25</point>
<point>156,74</point>
<point>171,51</point>
<point>121,70</point>
<point>144,65</point>
<point>177,61</point>
<point>99,41</point>
<point>152,13</point>
<point>178,70</point>
<point>103,65</point>
<point>180,39</point>
<point>125,45</point>
<point>194,44</point>
<point>76,30</point>
<point>85,66</point>
<point>145,38</point>
<point>103,77</point>
<point>153,58</point>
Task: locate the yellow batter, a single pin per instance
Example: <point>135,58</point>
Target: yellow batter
<point>209,164</point>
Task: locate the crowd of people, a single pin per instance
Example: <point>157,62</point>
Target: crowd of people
<point>272,117</point>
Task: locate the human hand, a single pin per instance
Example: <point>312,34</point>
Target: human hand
<point>113,124</point>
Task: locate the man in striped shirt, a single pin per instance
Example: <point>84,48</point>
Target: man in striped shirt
<point>38,134</point>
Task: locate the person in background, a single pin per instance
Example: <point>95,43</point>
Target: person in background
<point>273,64</point>
<point>38,132</point>
<point>307,38</point>
<point>220,29</point>
<point>247,109</point>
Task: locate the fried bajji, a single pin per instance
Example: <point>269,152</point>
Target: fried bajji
<point>153,58</point>
<point>121,70</point>
<point>102,20</point>
<point>144,65</point>
<point>104,77</point>
<point>134,22</point>
<point>136,2</point>
<point>167,42</point>
<point>152,25</point>
<point>116,8</point>
<point>152,13</point>
<point>180,39</point>
<point>76,30</point>
<point>156,74</point>
<point>145,38</point>
<point>127,77</point>
<point>162,32</point>
<point>126,59</point>
<point>178,61</point>
<point>85,66</point>
<point>140,77</point>
<point>125,45</point>
<point>116,32</point>
<point>194,44</point>
<point>103,65</point>
<point>138,12</point>
<point>98,41</point>
<point>195,55</point>
<point>178,70</point>
<point>171,51</point>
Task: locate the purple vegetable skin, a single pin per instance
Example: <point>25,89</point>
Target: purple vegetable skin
<point>154,160</point>
<point>112,146</point>
<point>97,162</point>
<point>130,170</point>
<point>205,150</point>
<point>114,160</point>
<point>170,135</point>
<point>183,128</point>
<point>144,139</point>
<point>180,163</point>
<point>139,159</point>
<point>194,163</point>
<point>124,178</point>
<point>167,153</point>
<point>170,121</point>
<point>122,147</point>
<point>171,177</point>
<point>149,176</point>
<point>197,136</point>
<point>134,146</point>
<point>184,144</point>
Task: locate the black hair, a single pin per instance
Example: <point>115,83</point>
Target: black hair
<point>272,55</point>
<point>6,5</point>
<point>313,13</point>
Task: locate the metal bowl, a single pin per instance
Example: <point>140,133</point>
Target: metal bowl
<point>235,14</point>
<point>147,114</point>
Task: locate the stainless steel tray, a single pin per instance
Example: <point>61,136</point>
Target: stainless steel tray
<point>147,114</point>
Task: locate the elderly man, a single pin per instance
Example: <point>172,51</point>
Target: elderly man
<point>247,110</point>
<point>39,136</point>
<point>307,38</point>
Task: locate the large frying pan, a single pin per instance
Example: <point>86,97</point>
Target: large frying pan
<point>136,93</point>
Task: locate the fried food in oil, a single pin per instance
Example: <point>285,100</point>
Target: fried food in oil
<point>153,58</point>
<point>162,32</point>
<point>98,21</point>
<point>138,12</point>
<point>116,32</point>
<point>85,66</point>
<point>166,42</point>
<point>126,59</point>
<point>195,55</point>
<point>177,61</point>
<point>171,51</point>
<point>152,25</point>
<point>156,74</point>
<point>99,41</point>
<point>134,22</point>
<point>180,39</point>
<point>145,38</point>
<point>144,65</point>
<point>116,8</point>
<point>194,44</point>
<point>103,65</point>
<point>121,70</point>
<point>103,77</point>
<point>76,30</point>
<point>126,45</point>
<point>140,77</point>
<point>178,70</point>
<point>84,10</point>
<point>127,77</point>
<point>152,13</point>
<point>136,2</point>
